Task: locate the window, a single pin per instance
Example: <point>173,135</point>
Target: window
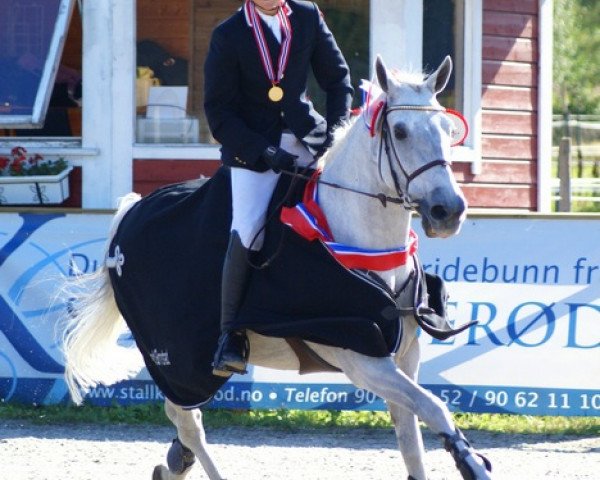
<point>32,35</point>
<point>349,23</point>
<point>453,27</point>
<point>167,58</point>
<point>442,37</point>
<point>178,32</point>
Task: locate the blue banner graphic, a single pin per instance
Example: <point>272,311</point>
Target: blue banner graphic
<point>534,350</point>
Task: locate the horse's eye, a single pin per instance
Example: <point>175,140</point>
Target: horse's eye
<point>400,131</point>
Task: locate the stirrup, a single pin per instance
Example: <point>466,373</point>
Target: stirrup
<point>233,360</point>
<point>459,456</point>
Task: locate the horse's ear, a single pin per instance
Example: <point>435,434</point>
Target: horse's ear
<point>381,72</point>
<point>438,80</point>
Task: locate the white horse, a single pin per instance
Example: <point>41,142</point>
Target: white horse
<point>403,157</point>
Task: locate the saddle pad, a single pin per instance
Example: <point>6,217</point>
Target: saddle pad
<point>173,244</point>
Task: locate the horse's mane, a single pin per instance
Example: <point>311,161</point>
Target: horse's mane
<point>339,133</point>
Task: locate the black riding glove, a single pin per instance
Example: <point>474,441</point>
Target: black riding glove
<point>278,159</point>
<point>320,151</point>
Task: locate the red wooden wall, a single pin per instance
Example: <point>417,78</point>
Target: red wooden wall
<point>509,108</point>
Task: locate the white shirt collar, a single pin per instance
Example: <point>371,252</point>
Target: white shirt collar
<point>286,8</point>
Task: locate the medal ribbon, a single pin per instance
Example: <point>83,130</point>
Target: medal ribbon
<point>308,220</point>
<point>261,43</point>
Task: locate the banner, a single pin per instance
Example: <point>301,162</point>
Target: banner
<point>532,283</point>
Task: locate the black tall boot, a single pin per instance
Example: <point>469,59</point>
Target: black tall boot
<point>232,352</point>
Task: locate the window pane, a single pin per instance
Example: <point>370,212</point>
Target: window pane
<point>181,29</point>
<point>349,22</point>
<point>163,93</point>
<point>32,36</point>
<point>443,29</point>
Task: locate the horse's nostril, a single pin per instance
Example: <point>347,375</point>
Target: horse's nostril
<point>438,212</point>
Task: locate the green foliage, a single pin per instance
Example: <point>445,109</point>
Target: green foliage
<point>281,419</point>
<point>576,44</point>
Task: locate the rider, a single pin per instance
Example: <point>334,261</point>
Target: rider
<point>255,101</point>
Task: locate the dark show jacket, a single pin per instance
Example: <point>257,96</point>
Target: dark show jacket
<point>241,116</point>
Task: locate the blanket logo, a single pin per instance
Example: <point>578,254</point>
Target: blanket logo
<point>160,359</point>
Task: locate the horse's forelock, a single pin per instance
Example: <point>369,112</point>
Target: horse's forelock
<point>409,77</point>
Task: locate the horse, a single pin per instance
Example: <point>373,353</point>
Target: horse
<point>388,162</point>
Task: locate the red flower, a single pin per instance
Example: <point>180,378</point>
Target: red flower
<point>18,153</point>
<point>19,163</point>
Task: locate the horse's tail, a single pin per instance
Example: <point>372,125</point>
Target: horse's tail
<point>93,325</point>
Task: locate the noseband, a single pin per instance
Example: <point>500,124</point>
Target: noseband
<point>390,151</point>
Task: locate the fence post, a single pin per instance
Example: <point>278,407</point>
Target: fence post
<point>564,174</point>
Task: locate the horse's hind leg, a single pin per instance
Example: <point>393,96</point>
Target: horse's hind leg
<point>190,437</point>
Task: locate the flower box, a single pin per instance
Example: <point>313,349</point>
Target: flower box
<point>35,189</point>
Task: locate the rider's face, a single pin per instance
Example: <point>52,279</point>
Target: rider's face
<point>267,6</point>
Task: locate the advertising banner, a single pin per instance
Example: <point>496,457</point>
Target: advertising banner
<point>531,282</point>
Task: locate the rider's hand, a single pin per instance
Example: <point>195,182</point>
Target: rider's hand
<point>278,159</point>
<point>324,146</point>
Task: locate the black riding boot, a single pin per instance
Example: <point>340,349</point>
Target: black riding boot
<point>232,352</point>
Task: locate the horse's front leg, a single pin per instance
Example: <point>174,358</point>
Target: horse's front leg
<point>406,423</point>
<point>190,442</point>
<point>380,376</point>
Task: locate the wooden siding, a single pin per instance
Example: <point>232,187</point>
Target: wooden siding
<point>509,109</point>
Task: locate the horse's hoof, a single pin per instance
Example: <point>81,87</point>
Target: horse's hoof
<point>460,454</point>
<point>179,457</point>
<point>159,472</point>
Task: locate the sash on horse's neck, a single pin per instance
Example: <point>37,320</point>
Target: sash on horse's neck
<point>308,220</point>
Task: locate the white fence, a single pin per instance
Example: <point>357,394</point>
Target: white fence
<point>584,132</point>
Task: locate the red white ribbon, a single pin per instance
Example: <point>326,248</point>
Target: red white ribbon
<point>261,43</point>
<point>308,220</point>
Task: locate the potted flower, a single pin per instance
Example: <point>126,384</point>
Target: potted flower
<point>31,179</point>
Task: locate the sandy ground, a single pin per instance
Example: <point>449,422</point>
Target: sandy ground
<point>31,452</point>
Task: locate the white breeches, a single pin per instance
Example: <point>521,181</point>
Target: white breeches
<point>252,191</point>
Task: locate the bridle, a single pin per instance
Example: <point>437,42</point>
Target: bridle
<point>390,150</point>
<point>402,197</point>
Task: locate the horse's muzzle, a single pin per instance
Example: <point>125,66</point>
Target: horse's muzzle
<point>442,215</point>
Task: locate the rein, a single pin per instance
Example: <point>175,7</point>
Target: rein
<point>384,199</point>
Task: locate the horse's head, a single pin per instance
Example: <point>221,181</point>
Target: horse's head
<point>416,139</point>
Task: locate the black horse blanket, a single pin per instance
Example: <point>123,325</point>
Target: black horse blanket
<point>168,287</point>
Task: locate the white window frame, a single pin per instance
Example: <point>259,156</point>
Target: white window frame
<point>402,21</point>
<point>42,98</point>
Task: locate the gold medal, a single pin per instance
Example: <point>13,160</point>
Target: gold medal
<point>275,93</point>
